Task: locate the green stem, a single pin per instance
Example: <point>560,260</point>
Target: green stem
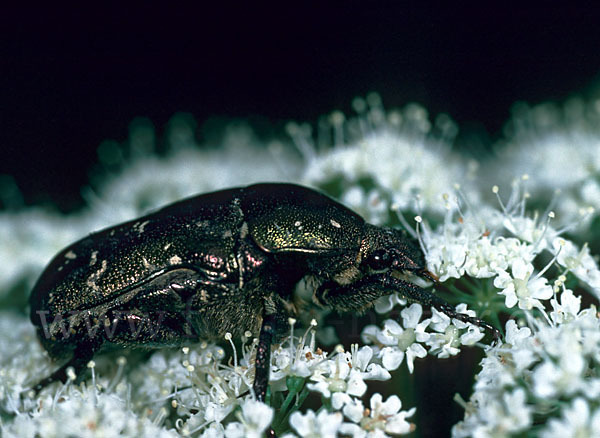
<point>283,417</point>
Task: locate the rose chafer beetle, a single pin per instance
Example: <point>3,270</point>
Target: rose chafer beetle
<point>221,262</point>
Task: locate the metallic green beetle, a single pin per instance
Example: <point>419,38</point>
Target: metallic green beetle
<point>227,261</point>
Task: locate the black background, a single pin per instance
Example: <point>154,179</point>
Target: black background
<point>71,78</point>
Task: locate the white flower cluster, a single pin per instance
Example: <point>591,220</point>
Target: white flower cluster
<point>549,374</point>
<point>554,356</point>
<point>86,413</point>
<point>406,165</point>
<point>203,391</point>
<point>557,146</point>
<point>505,262</point>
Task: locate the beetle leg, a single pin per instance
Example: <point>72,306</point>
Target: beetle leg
<point>360,295</point>
<point>263,357</point>
<point>414,292</point>
<point>80,359</point>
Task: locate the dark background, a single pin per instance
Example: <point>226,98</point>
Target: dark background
<point>72,78</point>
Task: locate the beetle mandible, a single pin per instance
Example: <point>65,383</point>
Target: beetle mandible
<point>227,261</point>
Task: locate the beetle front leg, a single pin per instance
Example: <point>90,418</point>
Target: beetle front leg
<point>81,357</point>
<point>360,295</point>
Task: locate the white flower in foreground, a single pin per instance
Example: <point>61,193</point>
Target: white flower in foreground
<point>508,414</point>
<point>577,421</point>
<point>535,372</point>
<point>567,309</point>
<point>336,375</point>
<point>321,425</point>
<point>381,419</point>
<point>22,360</point>
<point>578,261</point>
<point>521,288</point>
<point>83,414</point>
<point>446,341</point>
<point>400,342</point>
<point>255,418</point>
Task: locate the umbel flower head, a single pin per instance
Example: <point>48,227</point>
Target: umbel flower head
<point>501,249</point>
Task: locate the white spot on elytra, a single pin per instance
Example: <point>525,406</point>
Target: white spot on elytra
<point>167,246</point>
<point>227,234</point>
<point>71,255</point>
<point>244,230</point>
<point>297,223</point>
<point>93,258</point>
<point>175,260</point>
<point>335,224</point>
<point>92,279</point>
<point>145,262</point>
<point>140,226</point>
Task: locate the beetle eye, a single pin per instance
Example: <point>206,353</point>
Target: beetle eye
<point>379,260</point>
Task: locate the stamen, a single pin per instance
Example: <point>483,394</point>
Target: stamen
<point>235,358</point>
<point>162,413</point>
<point>583,215</point>
<point>301,136</point>
<point>92,365</point>
<point>418,220</point>
<point>541,237</point>
<point>404,222</point>
<point>292,323</point>
<point>121,361</point>
<point>336,119</point>
<point>561,242</point>
<point>496,190</point>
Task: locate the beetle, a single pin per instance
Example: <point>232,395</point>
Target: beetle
<point>227,261</point>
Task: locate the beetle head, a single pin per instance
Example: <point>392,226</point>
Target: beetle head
<point>390,250</point>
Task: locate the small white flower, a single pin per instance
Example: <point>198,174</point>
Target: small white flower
<point>567,309</point>
<point>360,359</point>
<point>521,288</point>
<point>335,375</point>
<point>445,343</point>
<point>579,262</point>
<point>577,421</point>
<point>255,418</point>
<point>311,425</point>
<point>386,417</point>
<point>400,342</point>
